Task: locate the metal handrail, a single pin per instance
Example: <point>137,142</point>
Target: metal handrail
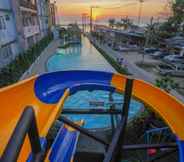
<point>26,125</point>
<point>114,151</point>
<point>78,111</point>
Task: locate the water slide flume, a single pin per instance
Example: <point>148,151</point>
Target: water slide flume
<point>46,94</point>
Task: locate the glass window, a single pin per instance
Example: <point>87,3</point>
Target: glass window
<point>7,17</point>
<point>30,41</point>
<point>5,52</point>
<point>2,23</point>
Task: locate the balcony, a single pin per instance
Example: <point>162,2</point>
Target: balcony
<point>31,30</point>
<point>6,37</point>
<point>27,4</point>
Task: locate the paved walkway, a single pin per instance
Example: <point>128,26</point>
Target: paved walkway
<point>136,71</point>
<point>39,66</point>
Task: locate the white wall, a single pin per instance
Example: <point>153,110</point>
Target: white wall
<point>15,49</point>
<point>9,33</point>
<point>5,4</point>
<point>43,12</point>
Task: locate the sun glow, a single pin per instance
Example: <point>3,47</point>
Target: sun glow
<point>96,14</point>
<point>73,9</point>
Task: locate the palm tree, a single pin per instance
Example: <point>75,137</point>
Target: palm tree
<point>178,13</point>
<point>119,25</point>
<point>151,35</point>
<point>126,23</point>
<point>112,23</point>
<point>174,23</point>
<point>151,31</point>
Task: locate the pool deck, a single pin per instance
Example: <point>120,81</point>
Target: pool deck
<point>38,66</point>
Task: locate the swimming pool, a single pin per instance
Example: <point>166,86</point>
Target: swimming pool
<point>86,57</point>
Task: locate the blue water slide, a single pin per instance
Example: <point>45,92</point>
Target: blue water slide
<point>64,146</point>
<point>50,87</point>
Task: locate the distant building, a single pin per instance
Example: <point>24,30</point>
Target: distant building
<point>43,16</point>
<point>52,15</point>
<point>22,24</point>
<point>8,35</point>
<point>119,37</point>
<point>27,23</point>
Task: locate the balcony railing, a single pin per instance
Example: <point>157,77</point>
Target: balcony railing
<point>27,4</point>
<point>31,30</point>
<point>6,37</point>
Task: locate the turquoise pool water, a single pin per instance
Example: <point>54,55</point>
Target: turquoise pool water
<point>82,99</point>
<point>86,57</point>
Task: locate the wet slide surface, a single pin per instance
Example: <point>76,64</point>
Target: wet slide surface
<point>47,93</point>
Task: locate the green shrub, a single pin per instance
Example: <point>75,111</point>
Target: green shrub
<point>65,46</point>
<point>166,83</point>
<point>111,61</point>
<point>13,71</point>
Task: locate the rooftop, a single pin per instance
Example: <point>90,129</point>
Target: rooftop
<point>132,33</point>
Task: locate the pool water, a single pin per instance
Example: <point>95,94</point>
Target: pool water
<point>82,100</point>
<point>86,57</point>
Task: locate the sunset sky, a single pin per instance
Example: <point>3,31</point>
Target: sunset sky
<point>71,10</point>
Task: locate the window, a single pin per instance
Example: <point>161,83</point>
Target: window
<point>30,41</point>
<point>7,17</point>
<point>181,68</point>
<point>23,21</point>
<point>33,21</point>
<point>2,23</point>
<point>5,52</point>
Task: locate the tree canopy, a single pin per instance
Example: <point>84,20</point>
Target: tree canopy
<point>112,23</point>
<point>175,23</point>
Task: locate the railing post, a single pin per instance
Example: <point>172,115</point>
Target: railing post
<point>26,124</point>
<point>114,151</point>
<point>127,98</point>
<point>34,136</point>
<point>112,107</point>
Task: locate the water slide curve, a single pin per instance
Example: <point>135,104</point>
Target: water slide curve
<point>47,93</point>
